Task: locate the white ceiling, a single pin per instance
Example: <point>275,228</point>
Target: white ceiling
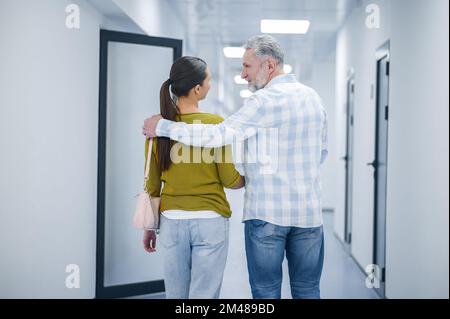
<point>212,24</point>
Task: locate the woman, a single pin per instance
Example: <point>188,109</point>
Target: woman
<point>194,208</point>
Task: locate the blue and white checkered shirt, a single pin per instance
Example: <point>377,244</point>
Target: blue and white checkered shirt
<point>285,130</point>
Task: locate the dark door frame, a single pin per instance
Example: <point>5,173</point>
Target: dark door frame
<point>382,53</point>
<point>107,36</point>
<point>348,158</point>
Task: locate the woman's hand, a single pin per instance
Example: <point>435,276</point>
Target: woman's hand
<point>240,184</point>
<point>149,241</point>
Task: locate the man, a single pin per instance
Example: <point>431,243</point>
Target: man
<point>282,208</point>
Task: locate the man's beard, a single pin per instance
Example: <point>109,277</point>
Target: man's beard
<point>259,83</point>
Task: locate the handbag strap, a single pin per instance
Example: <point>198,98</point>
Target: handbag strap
<point>149,158</point>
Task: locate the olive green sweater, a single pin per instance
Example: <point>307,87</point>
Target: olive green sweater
<point>195,182</point>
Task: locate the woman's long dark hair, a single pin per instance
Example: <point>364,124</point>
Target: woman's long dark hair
<point>186,73</point>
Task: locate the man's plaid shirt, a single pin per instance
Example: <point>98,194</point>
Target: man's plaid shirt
<point>285,127</point>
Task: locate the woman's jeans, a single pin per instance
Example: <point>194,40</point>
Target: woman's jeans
<point>194,256</point>
<point>265,245</point>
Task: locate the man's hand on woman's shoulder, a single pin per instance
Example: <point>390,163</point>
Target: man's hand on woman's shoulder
<point>149,128</point>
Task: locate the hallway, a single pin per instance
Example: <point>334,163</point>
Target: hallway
<point>79,77</point>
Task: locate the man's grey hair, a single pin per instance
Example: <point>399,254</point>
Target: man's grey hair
<point>266,45</point>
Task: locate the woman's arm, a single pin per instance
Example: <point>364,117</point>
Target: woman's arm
<point>153,185</point>
<point>228,174</point>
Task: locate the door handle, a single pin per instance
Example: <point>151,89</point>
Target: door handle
<point>344,158</point>
<point>374,164</point>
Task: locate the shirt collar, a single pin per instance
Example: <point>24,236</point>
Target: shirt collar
<point>282,78</point>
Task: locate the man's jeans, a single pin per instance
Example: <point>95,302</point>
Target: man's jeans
<point>194,256</point>
<point>265,244</point>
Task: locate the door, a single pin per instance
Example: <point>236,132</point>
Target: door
<point>349,160</point>
<point>132,69</point>
<point>380,168</point>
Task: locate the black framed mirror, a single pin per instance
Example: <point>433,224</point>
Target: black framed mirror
<point>132,69</point>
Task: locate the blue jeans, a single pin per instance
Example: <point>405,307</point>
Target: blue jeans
<point>194,256</point>
<point>265,245</point>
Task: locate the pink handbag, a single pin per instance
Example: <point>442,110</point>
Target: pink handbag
<point>146,214</point>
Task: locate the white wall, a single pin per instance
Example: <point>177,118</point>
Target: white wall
<point>155,17</point>
<point>417,246</point>
<point>322,80</point>
<point>48,142</point>
<point>418,210</point>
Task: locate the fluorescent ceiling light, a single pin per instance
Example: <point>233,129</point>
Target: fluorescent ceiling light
<point>234,52</point>
<point>239,80</point>
<point>246,93</point>
<point>287,68</point>
<point>284,26</point>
